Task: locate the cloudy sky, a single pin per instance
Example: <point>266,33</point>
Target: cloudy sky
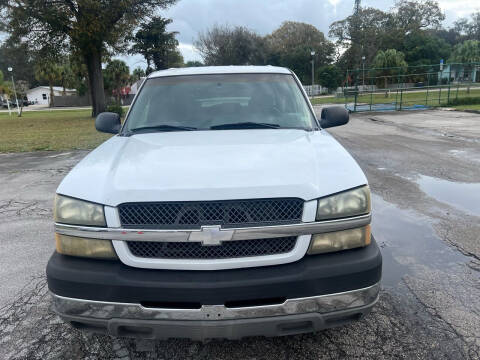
<point>263,16</point>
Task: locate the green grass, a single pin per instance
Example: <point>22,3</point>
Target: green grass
<point>408,97</point>
<point>49,130</point>
<point>467,107</point>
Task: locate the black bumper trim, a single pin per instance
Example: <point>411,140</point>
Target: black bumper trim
<point>313,275</point>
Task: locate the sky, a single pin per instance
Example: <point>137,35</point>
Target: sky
<point>263,16</point>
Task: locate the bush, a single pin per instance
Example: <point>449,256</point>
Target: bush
<point>116,108</point>
<point>465,101</point>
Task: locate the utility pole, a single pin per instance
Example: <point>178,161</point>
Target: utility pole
<point>356,36</point>
<point>356,8</point>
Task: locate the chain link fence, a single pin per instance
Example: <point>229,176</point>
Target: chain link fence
<point>412,87</point>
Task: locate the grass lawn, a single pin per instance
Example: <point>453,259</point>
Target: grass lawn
<point>49,130</point>
<point>419,97</point>
<point>467,107</point>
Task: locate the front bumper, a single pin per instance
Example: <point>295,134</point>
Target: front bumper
<point>294,316</point>
<point>308,295</point>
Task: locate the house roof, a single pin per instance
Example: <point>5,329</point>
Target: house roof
<point>55,88</point>
<point>202,70</point>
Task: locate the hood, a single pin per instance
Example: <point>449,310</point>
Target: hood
<point>213,165</point>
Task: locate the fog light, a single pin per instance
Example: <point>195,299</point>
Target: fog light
<point>340,240</point>
<point>83,247</point>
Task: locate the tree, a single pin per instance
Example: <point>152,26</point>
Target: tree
<point>80,74</point>
<point>4,87</point>
<point>48,70</point>
<point>466,52</point>
<point>21,86</point>
<point>67,76</point>
<point>117,75</point>
<point>156,44</point>
<point>330,77</point>
<point>224,45</point>
<point>137,74</point>
<point>371,30</point>
<point>413,15</point>
<point>21,58</point>
<point>361,34</point>
<point>469,29</point>
<point>291,45</point>
<point>389,63</point>
<point>421,48</point>
<point>91,27</point>
<point>193,63</point>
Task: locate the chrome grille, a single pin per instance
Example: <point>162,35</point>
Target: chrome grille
<point>228,250</point>
<point>234,213</point>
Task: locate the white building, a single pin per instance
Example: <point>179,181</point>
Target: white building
<point>41,94</point>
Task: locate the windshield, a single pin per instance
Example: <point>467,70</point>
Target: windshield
<point>216,102</point>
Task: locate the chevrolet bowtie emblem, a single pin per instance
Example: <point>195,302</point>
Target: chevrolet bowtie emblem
<point>211,235</point>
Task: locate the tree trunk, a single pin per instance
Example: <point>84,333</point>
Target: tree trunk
<point>95,79</point>
<point>51,94</point>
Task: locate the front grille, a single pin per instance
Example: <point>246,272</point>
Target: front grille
<point>234,213</point>
<point>228,250</point>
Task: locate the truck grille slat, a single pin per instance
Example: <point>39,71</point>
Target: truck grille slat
<point>234,213</point>
<point>229,249</point>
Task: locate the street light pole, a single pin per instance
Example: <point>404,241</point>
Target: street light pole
<point>313,69</point>
<point>10,69</point>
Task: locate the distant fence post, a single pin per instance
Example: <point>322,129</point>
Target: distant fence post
<point>428,87</point>
<point>371,94</point>
<point>449,73</point>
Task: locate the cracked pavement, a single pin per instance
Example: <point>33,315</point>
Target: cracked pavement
<point>429,306</point>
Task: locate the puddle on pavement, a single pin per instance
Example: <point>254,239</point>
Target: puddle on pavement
<point>463,196</point>
<point>407,239</point>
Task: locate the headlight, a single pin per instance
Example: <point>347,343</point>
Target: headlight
<point>346,204</point>
<point>92,248</point>
<point>340,240</point>
<point>78,212</point>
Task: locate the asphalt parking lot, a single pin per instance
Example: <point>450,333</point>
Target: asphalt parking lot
<point>424,171</point>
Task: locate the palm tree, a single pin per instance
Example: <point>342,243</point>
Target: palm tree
<point>137,74</point>
<point>389,63</point>
<point>117,75</point>
<point>467,52</point>
<point>5,88</point>
<point>50,71</point>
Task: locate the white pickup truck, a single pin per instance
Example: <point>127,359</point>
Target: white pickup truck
<point>221,208</point>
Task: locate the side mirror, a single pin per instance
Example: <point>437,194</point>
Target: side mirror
<point>333,116</point>
<point>108,122</point>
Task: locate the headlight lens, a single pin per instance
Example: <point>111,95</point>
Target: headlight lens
<point>349,203</point>
<point>340,240</point>
<point>78,212</point>
<point>92,248</point>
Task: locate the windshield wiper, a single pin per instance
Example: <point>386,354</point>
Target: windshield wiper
<point>161,128</point>
<point>245,125</point>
